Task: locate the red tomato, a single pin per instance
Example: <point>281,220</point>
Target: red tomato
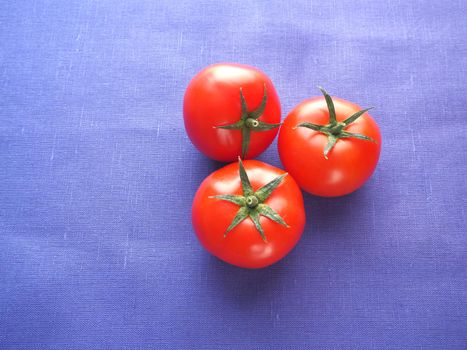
<point>325,158</point>
<point>231,110</point>
<point>250,220</point>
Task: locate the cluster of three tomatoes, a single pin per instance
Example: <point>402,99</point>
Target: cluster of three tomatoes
<point>249,213</point>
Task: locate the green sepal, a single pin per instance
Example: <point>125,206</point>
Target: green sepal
<point>267,211</point>
<point>346,134</point>
<point>330,104</point>
<point>246,134</point>
<point>311,126</point>
<point>254,215</point>
<point>246,186</point>
<point>244,106</point>
<point>258,112</point>
<point>355,116</point>
<point>331,142</point>
<point>236,199</point>
<point>262,126</point>
<point>241,215</point>
<point>235,126</point>
<point>264,192</point>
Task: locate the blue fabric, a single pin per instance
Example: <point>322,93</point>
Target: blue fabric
<point>97,177</point>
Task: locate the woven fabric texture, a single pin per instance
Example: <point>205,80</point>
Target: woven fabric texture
<point>97,176</point>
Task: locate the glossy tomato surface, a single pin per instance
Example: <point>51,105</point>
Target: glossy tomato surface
<point>350,162</point>
<point>212,99</point>
<point>243,245</point>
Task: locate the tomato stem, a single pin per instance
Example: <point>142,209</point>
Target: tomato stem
<point>252,201</point>
<point>251,123</point>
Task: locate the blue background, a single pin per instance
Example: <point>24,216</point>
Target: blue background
<point>97,177</point>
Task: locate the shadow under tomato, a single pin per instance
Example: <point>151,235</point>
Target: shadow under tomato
<point>338,216</point>
<point>204,167</point>
<point>244,287</point>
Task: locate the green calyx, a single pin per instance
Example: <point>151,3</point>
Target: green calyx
<point>336,130</point>
<point>249,121</point>
<point>251,203</point>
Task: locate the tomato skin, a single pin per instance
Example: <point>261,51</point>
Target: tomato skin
<point>350,162</point>
<point>243,245</point>
<point>212,98</point>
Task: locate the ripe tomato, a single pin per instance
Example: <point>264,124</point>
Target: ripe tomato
<point>329,145</point>
<point>250,216</point>
<point>231,110</point>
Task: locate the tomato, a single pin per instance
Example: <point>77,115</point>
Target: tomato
<point>248,214</point>
<point>329,145</point>
<point>231,110</point>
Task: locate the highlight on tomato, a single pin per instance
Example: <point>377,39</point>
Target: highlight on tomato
<point>329,145</point>
<point>231,110</point>
<point>249,214</point>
